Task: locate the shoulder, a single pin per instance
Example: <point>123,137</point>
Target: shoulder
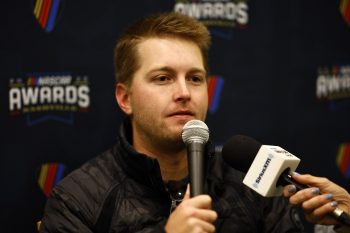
<point>85,189</point>
<point>99,172</point>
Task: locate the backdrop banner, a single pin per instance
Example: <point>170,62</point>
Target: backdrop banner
<point>280,73</point>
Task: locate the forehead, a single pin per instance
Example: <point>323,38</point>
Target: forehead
<point>169,51</point>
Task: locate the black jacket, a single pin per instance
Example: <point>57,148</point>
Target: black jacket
<point>122,190</point>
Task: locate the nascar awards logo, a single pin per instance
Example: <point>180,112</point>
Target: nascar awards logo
<point>49,96</point>
<point>220,15</point>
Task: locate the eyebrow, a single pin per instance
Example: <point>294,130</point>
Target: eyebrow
<point>171,70</point>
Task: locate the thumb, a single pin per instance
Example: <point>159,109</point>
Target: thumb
<point>187,193</point>
<point>305,179</point>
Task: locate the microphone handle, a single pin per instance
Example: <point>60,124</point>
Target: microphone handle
<point>286,179</point>
<point>195,159</point>
<point>339,214</point>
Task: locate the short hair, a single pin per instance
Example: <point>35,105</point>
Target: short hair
<point>169,24</point>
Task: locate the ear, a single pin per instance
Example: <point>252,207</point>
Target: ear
<point>122,95</point>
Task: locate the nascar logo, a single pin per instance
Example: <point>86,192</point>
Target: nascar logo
<point>215,85</point>
<point>45,11</point>
<point>345,10</point>
<point>343,159</point>
<point>50,174</point>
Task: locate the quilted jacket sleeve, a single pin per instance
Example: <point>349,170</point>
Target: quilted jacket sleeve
<point>281,217</point>
<point>62,214</point>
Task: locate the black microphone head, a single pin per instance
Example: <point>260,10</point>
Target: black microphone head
<point>195,131</point>
<point>239,152</point>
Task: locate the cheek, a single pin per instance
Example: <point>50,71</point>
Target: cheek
<point>145,102</point>
<point>205,102</point>
<point>200,102</point>
<point>203,98</point>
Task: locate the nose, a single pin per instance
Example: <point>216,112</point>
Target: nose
<point>182,91</point>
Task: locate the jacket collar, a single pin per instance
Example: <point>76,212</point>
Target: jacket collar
<point>141,167</point>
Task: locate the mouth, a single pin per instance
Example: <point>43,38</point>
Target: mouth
<point>185,113</point>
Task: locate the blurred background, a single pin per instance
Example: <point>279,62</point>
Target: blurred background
<point>280,73</point>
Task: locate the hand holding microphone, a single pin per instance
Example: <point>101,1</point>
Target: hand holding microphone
<point>317,207</point>
<point>194,214</point>
<point>269,168</point>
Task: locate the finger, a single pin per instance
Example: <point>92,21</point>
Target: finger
<point>201,201</point>
<point>321,215</point>
<point>302,178</point>
<point>199,225</point>
<point>316,202</point>
<point>187,193</point>
<point>303,195</point>
<point>325,209</point>
<point>289,190</point>
<point>205,215</point>
<point>309,179</point>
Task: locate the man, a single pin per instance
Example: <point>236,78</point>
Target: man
<point>319,200</point>
<point>139,185</point>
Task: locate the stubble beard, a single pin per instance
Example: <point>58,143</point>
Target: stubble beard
<point>167,138</point>
<point>160,137</point>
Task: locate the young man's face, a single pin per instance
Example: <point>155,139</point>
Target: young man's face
<point>168,90</point>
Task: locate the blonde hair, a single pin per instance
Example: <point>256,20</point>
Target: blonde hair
<point>170,24</point>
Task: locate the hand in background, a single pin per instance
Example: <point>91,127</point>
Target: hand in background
<point>319,200</point>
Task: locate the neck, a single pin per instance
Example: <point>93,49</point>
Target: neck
<point>173,167</point>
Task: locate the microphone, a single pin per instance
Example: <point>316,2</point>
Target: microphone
<point>268,168</point>
<point>195,135</point>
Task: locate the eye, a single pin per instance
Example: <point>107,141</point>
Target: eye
<point>196,79</point>
<point>161,79</point>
